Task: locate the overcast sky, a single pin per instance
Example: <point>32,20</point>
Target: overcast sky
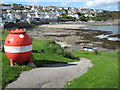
<point>97,4</point>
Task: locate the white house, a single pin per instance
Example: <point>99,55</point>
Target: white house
<point>34,8</point>
<point>92,10</point>
<point>1,22</point>
<point>89,15</point>
<point>84,10</point>
<point>4,14</point>
<point>69,12</point>
<point>74,15</point>
<point>60,8</point>
<point>21,16</point>
<point>48,15</point>
<point>9,16</point>
<point>98,10</point>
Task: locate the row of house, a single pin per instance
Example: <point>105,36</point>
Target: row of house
<point>28,13</point>
<point>20,16</point>
<point>48,8</point>
<point>73,9</point>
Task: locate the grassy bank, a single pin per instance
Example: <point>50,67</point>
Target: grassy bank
<point>44,52</point>
<point>104,73</point>
<point>9,73</point>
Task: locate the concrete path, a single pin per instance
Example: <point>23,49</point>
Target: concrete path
<point>51,76</point>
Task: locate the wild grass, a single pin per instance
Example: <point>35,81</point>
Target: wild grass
<point>104,73</point>
<point>44,52</point>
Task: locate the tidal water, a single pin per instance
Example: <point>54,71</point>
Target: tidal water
<point>114,28</point>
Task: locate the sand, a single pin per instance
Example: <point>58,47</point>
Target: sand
<point>74,26</point>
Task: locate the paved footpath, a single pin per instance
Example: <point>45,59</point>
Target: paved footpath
<point>51,76</point>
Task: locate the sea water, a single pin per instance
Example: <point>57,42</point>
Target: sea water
<point>115,29</point>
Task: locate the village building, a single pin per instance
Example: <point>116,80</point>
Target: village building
<point>30,13</point>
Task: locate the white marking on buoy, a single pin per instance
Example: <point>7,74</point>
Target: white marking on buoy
<point>21,36</point>
<point>19,49</point>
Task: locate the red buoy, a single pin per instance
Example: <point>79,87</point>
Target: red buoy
<point>18,47</point>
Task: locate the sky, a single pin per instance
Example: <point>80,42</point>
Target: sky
<point>111,5</point>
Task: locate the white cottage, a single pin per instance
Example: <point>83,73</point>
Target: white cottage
<point>21,17</point>
<point>9,16</point>
<point>74,15</point>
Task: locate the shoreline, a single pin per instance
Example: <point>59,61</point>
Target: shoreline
<point>78,25</point>
<point>64,23</point>
<point>110,22</point>
<point>63,26</point>
<point>74,36</point>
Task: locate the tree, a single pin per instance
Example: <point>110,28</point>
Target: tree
<point>79,14</point>
<point>66,11</point>
<point>84,19</point>
<point>106,15</point>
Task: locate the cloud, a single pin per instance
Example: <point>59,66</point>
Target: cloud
<point>67,2</point>
<point>44,0</point>
<point>96,3</point>
<point>86,3</point>
<point>32,2</point>
<point>1,1</point>
<point>64,4</point>
<point>110,7</point>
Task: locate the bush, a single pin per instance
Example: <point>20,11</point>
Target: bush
<point>96,52</point>
<point>49,46</point>
<point>68,55</point>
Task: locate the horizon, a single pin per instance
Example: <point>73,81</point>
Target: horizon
<point>109,5</point>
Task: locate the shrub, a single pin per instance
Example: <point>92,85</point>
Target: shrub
<point>49,46</point>
<point>68,55</point>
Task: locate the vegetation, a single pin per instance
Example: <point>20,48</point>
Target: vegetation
<point>44,52</point>
<point>66,18</point>
<point>82,17</point>
<point>104,73</point>
<point>9,73</point>
<point>18,7</point>
<point>103,16</point>
<point>106,15</point>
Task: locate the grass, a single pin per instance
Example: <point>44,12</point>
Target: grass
<point>0,70</point>
<point>44,52</point>
<point>10,73</point>
<point>3,33</point>
<point>104,73</point>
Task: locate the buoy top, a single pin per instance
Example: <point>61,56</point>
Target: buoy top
<point>18,31</point>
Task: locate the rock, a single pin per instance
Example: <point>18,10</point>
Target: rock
<point>83,41</point>
<point>97,42</point>
<point>32,65</point>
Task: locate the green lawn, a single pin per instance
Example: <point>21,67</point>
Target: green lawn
<point>0,70</point>
<point>44,52</point>
<point>104,73</point>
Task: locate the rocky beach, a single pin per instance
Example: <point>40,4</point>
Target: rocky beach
<point>71,36</point>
